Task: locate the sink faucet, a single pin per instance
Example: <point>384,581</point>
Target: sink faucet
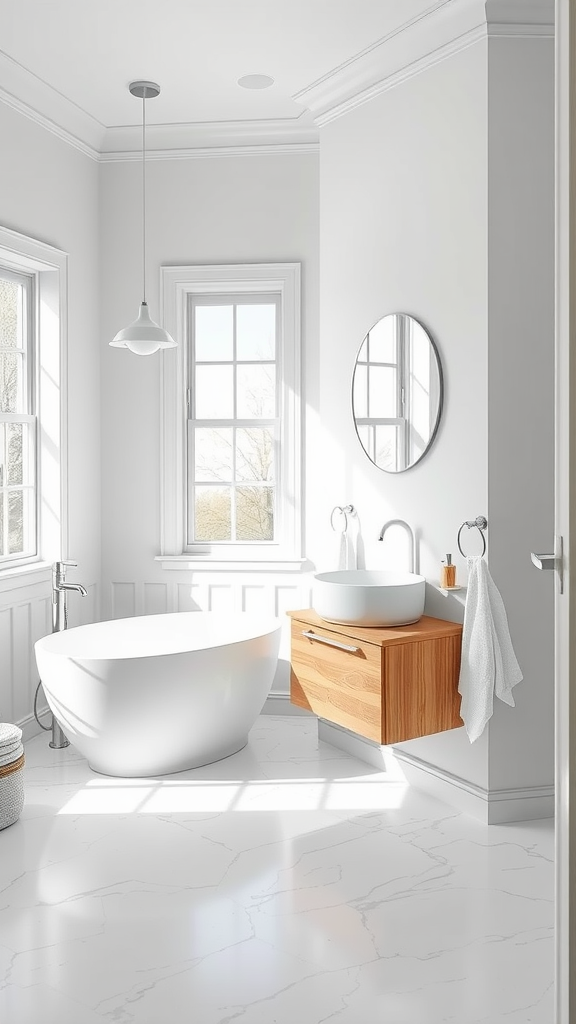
<point>409,531</point>
<point>59,622</point>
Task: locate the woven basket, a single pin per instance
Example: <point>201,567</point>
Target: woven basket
<point>11,775</point>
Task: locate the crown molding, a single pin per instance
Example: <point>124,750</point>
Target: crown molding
<point>188,138</point>
<point>412,69</point>
<point>44,122</point>
<point>210,152</point>
<point>35,99</point>
<point>443,29</point>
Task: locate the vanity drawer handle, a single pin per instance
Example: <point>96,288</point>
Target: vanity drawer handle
<point>331,643</point>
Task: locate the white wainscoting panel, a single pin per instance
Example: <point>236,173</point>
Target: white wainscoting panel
<point>82,610</point>
<point>155,598</point>
<point>255,599</point>
<point>22,659</point>
<point>25,616</point>
<point>265,594</point>
<point>188,597</point>
<point>124,601</point>
<point>221,597</point>
<point>6,657</point>
<point>287,599</point>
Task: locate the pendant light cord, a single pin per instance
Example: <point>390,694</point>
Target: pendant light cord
<point>144,196</point>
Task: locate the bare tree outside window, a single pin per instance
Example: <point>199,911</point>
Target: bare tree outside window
<point>234,456</point>
<point>16,426</point>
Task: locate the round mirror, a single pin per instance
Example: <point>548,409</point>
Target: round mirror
<point>397,392</point>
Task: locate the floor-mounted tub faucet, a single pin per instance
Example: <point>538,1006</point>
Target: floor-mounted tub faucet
<point>59,622</point>
<point>412,538</point>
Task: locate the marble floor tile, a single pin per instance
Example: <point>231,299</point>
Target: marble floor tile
<point>287,884</point>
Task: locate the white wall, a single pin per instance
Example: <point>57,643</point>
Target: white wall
<point>521,392</point>
<point>217,210</point>
<point>403,227</point>
<point>436,200</point>
<point>50,191</point>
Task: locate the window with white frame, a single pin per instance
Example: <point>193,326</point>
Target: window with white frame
<point>231,418</point>
<point>33,303</point>
<point>18,493</point>
<point>233,428</point>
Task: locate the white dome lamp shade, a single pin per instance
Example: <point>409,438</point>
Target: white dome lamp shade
<point>143,336</point>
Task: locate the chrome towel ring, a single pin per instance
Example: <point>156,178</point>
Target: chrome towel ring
<point>345,511</point>
<point>480,523</point>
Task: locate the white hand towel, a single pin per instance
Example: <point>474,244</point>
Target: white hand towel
<point>489,665</point>
<point>346,531</point>
<point>342,543</point>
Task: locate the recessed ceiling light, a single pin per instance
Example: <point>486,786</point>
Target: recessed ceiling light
<point>255,81</point>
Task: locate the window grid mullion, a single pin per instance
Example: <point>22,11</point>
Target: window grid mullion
<point>367,421</point>
<point>233,503</point>
<point>368,374</point>
<point>190,404</point>
<point>24,354</point>
<point>25,336</point>
<point>5,524</point>
<point>30,367</point>
<point>246,362</point>
<point>4,551</point>
<point>278,426</point>
<point>17,417</point>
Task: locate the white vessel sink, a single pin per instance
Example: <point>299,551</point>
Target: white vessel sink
<point>363,597</point>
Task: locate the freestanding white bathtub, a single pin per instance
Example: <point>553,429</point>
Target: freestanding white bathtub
<point>159,693</point>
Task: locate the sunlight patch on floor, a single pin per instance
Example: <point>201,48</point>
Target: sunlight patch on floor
<point>133,796</point>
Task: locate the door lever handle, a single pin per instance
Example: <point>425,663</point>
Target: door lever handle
<point>543,561</point>
<point>554,561</point>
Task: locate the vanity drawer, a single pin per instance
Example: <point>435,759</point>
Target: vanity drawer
<point>336,683</point>
<point>386,684</point>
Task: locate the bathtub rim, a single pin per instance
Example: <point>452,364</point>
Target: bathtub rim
<point>55,644</point>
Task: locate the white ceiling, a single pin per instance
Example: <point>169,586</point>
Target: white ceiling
<point>83,54</point>
<point>68,63</point>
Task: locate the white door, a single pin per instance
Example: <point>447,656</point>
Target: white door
<point>565,508</point>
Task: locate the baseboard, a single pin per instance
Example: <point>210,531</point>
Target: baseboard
<point>494,807</point>
<point>30,726</point>
<point>279,704</point>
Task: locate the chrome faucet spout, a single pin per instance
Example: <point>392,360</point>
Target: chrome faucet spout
<point>405,526</point>
<point>72,586</point>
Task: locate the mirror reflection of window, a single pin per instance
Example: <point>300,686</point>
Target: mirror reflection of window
<point>397,392</point>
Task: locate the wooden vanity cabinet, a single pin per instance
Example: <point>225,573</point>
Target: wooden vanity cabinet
<point>386,684</point>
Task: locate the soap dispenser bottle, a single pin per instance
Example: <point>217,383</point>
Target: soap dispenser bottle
<point>448,573</point>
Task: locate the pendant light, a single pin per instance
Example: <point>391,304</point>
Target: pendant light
<point>143,336</point>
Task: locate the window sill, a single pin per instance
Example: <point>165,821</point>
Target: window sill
<point>203,563</point>
<point>24,575</point>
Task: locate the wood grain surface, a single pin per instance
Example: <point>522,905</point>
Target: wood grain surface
<point>382,635</point>
<point>397,684</point>
<point>420,688</point>
<point>340,686</point>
